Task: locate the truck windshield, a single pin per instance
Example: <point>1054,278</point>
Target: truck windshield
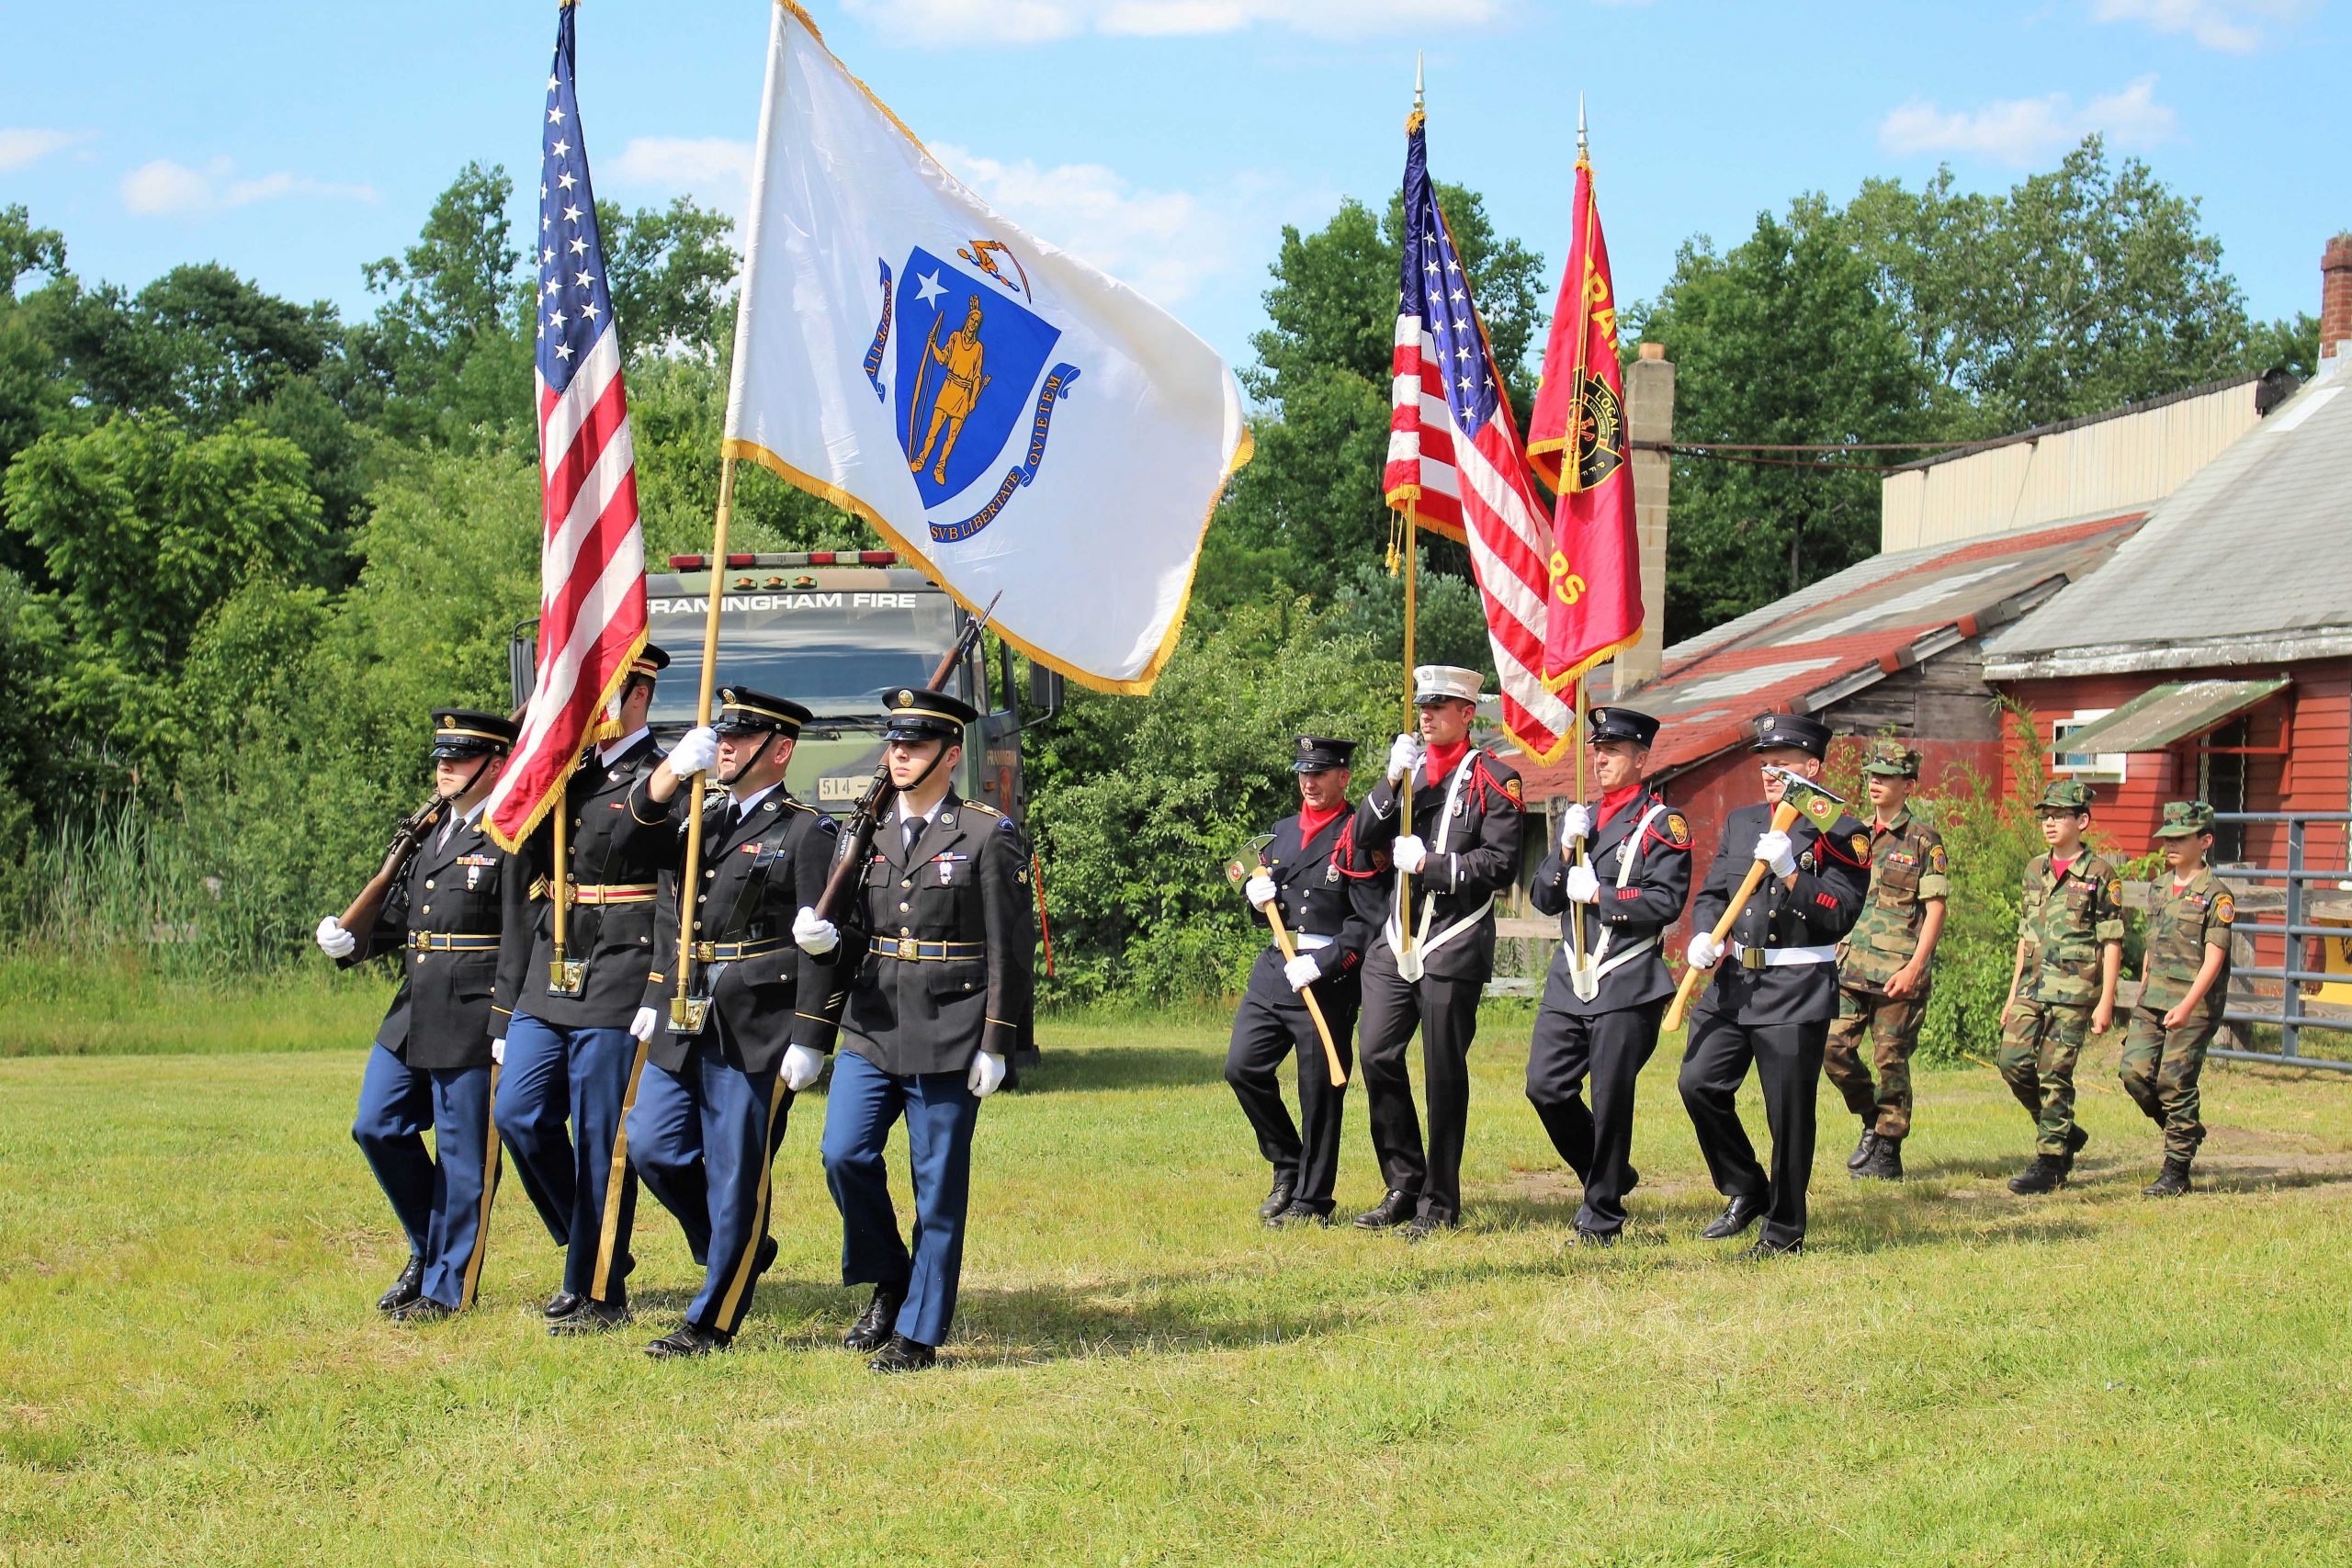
<point>837,651</point>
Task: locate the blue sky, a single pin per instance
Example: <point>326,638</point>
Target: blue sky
<point>1168,139</point>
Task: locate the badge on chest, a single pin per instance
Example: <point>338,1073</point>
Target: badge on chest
<point>476,867</point>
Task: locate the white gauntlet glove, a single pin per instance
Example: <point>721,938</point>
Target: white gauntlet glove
<point>1301,972</point>
<point>987,1075</point>
<point>498,1050</point>
<point>1576,823</point>
<point>1403,758</point>
<point>1584,888</point>
<point>1705,951</point>
<point>802,1067</point>
<point>333,941</point>
<point>1776,850</point>
<point>1410,854</point>
<point>815,937</point>
<point>696,750</point>
<point>642,1026</point>
<point>1259,890</point>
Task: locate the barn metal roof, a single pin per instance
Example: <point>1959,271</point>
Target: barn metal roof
<point>2177,710</point>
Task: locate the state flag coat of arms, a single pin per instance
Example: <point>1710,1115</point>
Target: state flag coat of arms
<point>1007,416</point>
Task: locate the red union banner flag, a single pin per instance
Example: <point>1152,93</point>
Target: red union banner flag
<point>1577,441</point>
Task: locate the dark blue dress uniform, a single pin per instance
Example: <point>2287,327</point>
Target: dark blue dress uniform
<point>456,919</point>
<point>1641,853</point>
<point>1772,998</point>
<point>1472,818</point>
<point>711,1106</point>
<point>569,1051</point>
<point>949,940</point>
<point>1331,908</point>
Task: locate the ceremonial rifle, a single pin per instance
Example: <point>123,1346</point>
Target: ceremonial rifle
<point>1237,871</point>
<point>866,819</point>
<point>1799,796</point>
<point>408,837</point>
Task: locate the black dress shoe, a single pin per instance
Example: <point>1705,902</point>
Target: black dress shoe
<point>1394,1209</point>
<point>689,1340</point>
<point>764,1259</point>
<point>1741,1213</point>
<point>1300,1213</point>
<point>903,1355</point>
<point>1278,1199</point>
<point>404,1288</point>
<point>872,1329</point>
<point>424,1309</point>
<point>563,1303</point>
<point>1760,1249</point>
<point>1424,1226</point>
<point>1586,1237</point>
<point>1862,1150</point>
<point>592,1316</point>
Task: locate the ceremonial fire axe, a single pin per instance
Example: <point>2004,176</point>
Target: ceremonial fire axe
<point>1237,871</point>
<point>1799,796</point>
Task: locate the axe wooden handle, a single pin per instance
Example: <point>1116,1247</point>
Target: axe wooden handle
<point>1784,816</point>
<point>1313,1007</point>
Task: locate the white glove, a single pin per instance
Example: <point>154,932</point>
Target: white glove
<point>333,941</point>
<point>1403,758</point>
<point>1576,823</point>
<point>987,1075</point>
<point>1410,854</point>
<point>1705,951</point>
<point>498,1050</point>
<point>1302,972</point>
<point>1775,848</point>
<point>802,1067</point>
<point>815,937</point>
<point>696,750</point>
<point>1584,888</point>
<point>642,1026</point>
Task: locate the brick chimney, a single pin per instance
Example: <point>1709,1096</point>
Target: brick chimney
<point>1649,416</point>
<point>2336,298</point>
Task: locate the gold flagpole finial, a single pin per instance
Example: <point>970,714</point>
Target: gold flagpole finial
<point>1580,136</point>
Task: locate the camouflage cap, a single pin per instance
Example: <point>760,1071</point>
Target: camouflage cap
<point>1890,759</point>
<point>2185,819</point>
<point>2064,795</point>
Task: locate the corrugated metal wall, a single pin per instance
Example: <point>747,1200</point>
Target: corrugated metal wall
<point>2116,465</point>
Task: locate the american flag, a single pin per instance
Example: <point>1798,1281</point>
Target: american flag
<point>591,555</point>
<point>1455,458</point>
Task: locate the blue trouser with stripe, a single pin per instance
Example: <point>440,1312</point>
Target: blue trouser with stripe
<point>702,1138</point>
<point>553,1074</point>
<point>941,1114</point>
<point>437,1196</point>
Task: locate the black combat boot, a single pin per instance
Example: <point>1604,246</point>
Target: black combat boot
<point>2046,1173</point>
<point>1862,1150</point>
<point>2171,1181</point>
<point>1885,1163</point>
<point>1284,1189</point>
<point>872,1329</point>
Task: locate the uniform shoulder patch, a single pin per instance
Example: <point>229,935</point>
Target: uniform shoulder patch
<point>1510,788</point>
<point>2115,890</point>
<point>2225,908</point>
<point>1937,861</point>
<point>1678,829</point>
<point>1861,847</point>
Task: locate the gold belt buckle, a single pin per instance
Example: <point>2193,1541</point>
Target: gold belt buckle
<point>909,949</point>
<point>1751,958</point>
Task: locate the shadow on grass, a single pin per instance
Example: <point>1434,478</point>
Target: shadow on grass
<point>1093,1067</point>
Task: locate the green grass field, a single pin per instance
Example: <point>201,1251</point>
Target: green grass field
<point>190,1246</point>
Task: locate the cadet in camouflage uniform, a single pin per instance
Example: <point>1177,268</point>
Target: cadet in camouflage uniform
<point>1883,975</point>
<point>2070,950</point>
<point>2184,977</point>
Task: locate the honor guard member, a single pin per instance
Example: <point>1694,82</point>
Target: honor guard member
<point>941,993</point>
<point>567,1053</point>
<point>1330,909</point>
<point>759,1013</point>
<point>1772,1004</point>
<point>456,917</point>
<point>2184,977</point>
<point>2070,952</point>
<point>1464,850</point>
<point>1621,896</point>
<point>1883,965</point>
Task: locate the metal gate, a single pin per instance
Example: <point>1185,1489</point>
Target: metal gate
<point>2295,929</point>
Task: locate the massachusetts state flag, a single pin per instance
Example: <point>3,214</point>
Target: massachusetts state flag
<point>1009,418</point>
<point>591,555</point>
<point>1577,440</point>
<point>1455,458</point>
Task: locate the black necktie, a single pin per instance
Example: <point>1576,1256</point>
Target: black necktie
<point>915,826</point>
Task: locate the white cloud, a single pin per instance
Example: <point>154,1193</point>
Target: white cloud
<point>708,163</point>
<point>1034,21</point>
<point>1160,241</point>
<point>2233,27</point>
<point>2023,132</point>
<point>165,189</point>
<point>21,148</point>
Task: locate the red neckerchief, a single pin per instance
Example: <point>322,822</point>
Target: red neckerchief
<point>1616,800</point>
<point>1312,820</point>
<point>1443,760</point>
